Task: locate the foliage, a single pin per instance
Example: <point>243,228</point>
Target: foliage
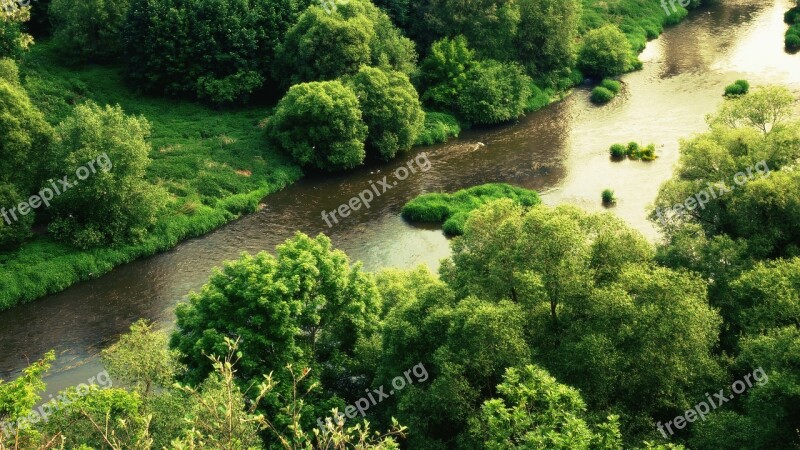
<point>13,234</point>
<point>739,87</point>
<point>442,74</point>
<point>89,29</point>
<point>537,411</point>
<point>142,360</point>
<point>437,128</point>
<point>618,151</point>
<point>601,95</point>
<point>14,41</point>
<point>364,35</point>
<point>605,52</point>
<point>25,139</point>
<point>320,125</point>
<point>114,203</point>
<point>391,110</point>
<point>612,85</point>
<point>608,197</point>
<point>765,109</point>
<point>546,35</point>
<point>493,92</point>
<point>452,209</point>
<point>220,51</point>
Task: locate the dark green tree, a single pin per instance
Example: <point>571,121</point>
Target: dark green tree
<point>90,30</point>
<point>546,36</point>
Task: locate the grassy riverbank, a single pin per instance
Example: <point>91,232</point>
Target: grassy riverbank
<point>214,163</point>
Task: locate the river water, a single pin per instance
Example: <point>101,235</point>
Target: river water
<point>561,151</point>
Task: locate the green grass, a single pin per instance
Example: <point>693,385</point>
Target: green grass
<point>453,209</point>
<point>438,128</point>
<point>214,164</point>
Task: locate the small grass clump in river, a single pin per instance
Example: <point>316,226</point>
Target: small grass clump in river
<point>453,209</point>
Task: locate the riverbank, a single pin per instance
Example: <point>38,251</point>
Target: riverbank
<point>214,163</point>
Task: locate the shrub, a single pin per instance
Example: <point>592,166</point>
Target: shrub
<point>391,110</point>
<point>493,92</point>
<point>792,16</point>
<point>608,197</point>
<point>89,29</point>
<point>112,203</point>
<point>606,51</point>
<point>648,153</point>
<point>453,209</point>
<point>740,87</point>
<point>633,150</point>
<point>612,85</point>
<point>792,40</point>
<point>13,231</point>
<point>618,151</point>
<point>9,70</point>
<point>437,128</point>
<point>319,125</point>
<point>601,95</point>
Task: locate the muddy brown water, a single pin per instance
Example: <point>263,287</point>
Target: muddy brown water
<point>561,151</point>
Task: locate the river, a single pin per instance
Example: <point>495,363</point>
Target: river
<point>561,151</point>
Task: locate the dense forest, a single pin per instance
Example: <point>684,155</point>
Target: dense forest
<point>548,327</point>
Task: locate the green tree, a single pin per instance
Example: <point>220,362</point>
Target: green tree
<point>442,74</point>
<point>605,52</point>
<point>110,202</point>
<point>142,359</point>
<point>320,125</point>
<point>89,30</point>
<point>545,40</point>
<point>326,45</point>
<point>538,412</point>
<point>391,110</point>
<point>14,41</point>
<point>767,108</point>
<point>494,92</point>
<point>25,139</point>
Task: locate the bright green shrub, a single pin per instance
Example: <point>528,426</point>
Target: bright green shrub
<point>438,127</point>
<point>453,209</point>
<point>9,70</point>
<point>608,197</point>
<point>601,95</point>
<point>740,87</point>
<point>391,110</point>
<point>494,92</point>
<point>89,29</point>
<point>320,125</point>
<point>106,153</point>
<point>442,74</point>
<point>648,153</point>
<point>792,39</point>
<point>605,52</point>
<point>612,85</point>
<point>633,149</point>
<point>618,151</point>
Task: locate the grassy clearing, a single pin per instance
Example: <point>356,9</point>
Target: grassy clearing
<point>214,164</point>
<point>453,209</point>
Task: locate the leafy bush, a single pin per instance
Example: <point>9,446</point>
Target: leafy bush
<point>320,125</point>
<point>18,230</point>
<point>90,29</point>
<point>453,209</point>
<point>740,87</point>
<point>792,16</point>
<point>612,85</point>
<point>391,110</point>
<point>438,127</point>
<point>9,70</point>
<point>633,149</point>
<point>112,203</point>
<point>648,153</point>
<point>364,35</point>
<point>792,39</point>
<point>618,150</point>
<point>494,92</point>
<point>606,51</point>
<point>608,197</point>
<point>601,95</point>
<point>442,74</point>
<point>25,138</point>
